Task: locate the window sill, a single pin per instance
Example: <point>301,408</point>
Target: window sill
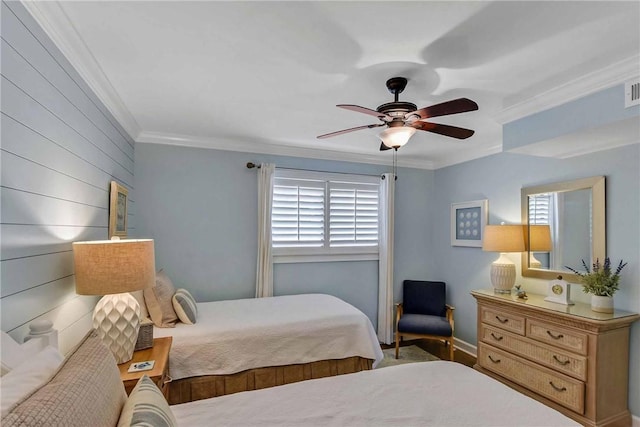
<point>292,259</point>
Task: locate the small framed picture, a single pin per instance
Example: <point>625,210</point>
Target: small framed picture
<point>117,210</point>
<point>467,223</point>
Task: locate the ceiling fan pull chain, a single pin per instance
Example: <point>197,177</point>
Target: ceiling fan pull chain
<point>395,163</point>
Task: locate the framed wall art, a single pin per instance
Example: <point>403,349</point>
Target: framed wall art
<point>117,210</point>
<point>467,223</point>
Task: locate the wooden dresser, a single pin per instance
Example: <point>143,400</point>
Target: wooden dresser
<point>567,357</point>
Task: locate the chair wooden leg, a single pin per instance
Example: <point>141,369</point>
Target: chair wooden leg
<point>451,349</point>
<point>397,343</point>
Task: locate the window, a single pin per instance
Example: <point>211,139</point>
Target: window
<point>539,208</point>
<point>320,216</point>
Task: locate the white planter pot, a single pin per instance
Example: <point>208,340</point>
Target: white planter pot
<point>602,304</point>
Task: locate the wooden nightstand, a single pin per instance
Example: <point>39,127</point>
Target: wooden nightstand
<point>160,372</point>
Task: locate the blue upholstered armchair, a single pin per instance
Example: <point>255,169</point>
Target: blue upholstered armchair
<point>424,313</point>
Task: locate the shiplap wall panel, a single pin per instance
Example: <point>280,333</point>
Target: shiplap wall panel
<point>19,241</point>
<point>60,149</point>
<point>24,175</point>
<point>23,75</point>
<point>35,46</point>
<point>20,274</point>
<point>17,104</point>
<point>19,207</point>
<point>28,144</point>
<point>30,303</point>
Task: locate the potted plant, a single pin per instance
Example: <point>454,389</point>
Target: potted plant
<point>601,282</point>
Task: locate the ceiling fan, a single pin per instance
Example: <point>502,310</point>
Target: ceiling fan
<point>404,118</point>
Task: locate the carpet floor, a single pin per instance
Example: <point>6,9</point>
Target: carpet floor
<point>408,354</point>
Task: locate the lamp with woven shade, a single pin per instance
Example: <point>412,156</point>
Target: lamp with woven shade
<point>114,268</point>
<point>537,238</point>
<point>503,239</point>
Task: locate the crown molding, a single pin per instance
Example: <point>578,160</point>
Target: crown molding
<point>56,24</point>
<point>604,78</point>
<point>467,156</point>
<point>230,144</point>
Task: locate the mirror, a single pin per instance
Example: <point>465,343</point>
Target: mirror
<point>564,223</point>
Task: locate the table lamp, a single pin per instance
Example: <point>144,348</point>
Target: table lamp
<point>503,239</point>
<point>114,268</point>
<point>537,238</point>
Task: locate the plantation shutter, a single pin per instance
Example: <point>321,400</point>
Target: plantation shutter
<point>539,208</point>
<point>297,218</point>
<point>353,214</point>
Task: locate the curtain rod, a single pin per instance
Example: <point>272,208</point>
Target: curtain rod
<point>251,165</point>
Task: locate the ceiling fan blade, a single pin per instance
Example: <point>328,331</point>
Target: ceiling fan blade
<point>446,130</point>
<point>384,147</point>
<point>359,109</point>
<point>455,106</point>
<point>340,132</point>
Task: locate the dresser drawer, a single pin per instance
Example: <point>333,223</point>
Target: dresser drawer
<point>558,336</point>
<point>557,387</point>
<point>560,360</point>
<point>507,321</point>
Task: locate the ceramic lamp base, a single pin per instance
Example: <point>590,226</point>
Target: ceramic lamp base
<point>503,275</point>
<point>116,318</point>
<point>533,261</point>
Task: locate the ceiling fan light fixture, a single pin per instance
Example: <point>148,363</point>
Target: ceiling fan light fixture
<point>396,137</point>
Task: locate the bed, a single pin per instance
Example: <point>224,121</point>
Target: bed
<point>248,344</point>
<point>86,390</point>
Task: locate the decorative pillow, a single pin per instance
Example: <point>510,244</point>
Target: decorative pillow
<point>158,299</point>
<point>85,391</point>
<point>139,296</point>
<point>185,306</point>
<point>146,406</point>
<point>28,377</point>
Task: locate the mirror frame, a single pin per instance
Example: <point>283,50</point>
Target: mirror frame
<point>598,244</point>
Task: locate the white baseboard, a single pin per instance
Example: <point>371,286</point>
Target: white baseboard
<point>635,421</point>
<point>468,348</point>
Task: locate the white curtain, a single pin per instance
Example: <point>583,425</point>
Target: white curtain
<point>264,271</point>
<point>385,264</point>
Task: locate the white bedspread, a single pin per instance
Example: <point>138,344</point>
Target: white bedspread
<point>232,336</point>
<point>418,394</point>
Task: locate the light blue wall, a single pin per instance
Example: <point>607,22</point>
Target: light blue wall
<point>200,207</point>
<point>598,109</point>
<point>59,149</point>
<point>500,178</point>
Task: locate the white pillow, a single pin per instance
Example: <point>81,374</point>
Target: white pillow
<point>13,354</point>
<point>27,377</point>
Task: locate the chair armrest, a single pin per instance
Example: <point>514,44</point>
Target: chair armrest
<point>450,310</point>
<point>399,311</point>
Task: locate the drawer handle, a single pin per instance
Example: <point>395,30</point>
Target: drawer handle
<point>555,337</point>
<point>501,320</point>
<point>562,362</point>
<point>496,337</point>
<point>556,388</point>
<point>494,360</point>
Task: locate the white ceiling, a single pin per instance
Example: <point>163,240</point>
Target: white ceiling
<point>266,76</point>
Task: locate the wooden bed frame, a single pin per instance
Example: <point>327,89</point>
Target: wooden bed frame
<point>203,387</point>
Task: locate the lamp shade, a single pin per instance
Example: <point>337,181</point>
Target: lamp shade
<point>537,238</point>
<point>105,267</point>
<point>503,238</point>
<point>396,137</point>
